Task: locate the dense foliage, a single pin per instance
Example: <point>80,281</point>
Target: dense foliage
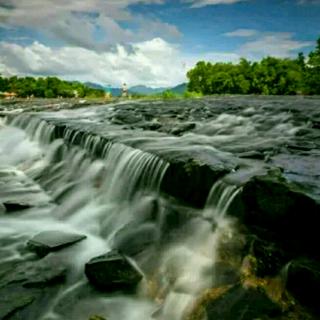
<point>270,76</point>
<point>50,87</point>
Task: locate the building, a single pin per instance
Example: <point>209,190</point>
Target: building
<point>8,95</point>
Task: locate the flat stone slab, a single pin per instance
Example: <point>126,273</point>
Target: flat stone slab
<point>48,241</point>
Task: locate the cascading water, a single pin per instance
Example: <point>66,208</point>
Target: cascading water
<point>187,266</point>
<point>101,199</point>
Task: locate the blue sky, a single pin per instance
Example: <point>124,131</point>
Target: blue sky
<point>151,42</point>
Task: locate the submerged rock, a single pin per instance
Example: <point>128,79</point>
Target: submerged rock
<point>239,303</point>
<point>25,287</point>
<point>13,300</point>
<point>133,239</point>
<point>112,271</point>
<point>34,274</point>
<point>48,241</point>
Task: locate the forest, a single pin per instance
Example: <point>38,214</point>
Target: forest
<point>270,76</point>
<point>50,87</point>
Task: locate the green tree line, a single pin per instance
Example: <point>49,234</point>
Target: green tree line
<point>270,76</point>
<point>50,87</point>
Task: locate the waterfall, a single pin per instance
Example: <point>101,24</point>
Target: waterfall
<point>189,265</point>
<point>102,196</point>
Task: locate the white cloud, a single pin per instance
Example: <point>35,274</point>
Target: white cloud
<point>278,44</point>
<point>241,33</point>
<point>77,22</point>
<point>203,3</point>
<point>155,63</point>
<point>213,57</point>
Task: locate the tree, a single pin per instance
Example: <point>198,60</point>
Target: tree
<point>270,76</point>
<point>50,87</point>
<point>312,76</point>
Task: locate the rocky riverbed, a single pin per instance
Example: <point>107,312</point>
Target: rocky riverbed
<point>180,209</point>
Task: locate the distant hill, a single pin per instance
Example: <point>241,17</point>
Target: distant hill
<point>140,89</point>
<point>147,90</point>
<point>94,85</point>
<point>179,89</point>
<point>114,91</point>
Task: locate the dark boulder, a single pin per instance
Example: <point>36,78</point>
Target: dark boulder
<point>112,271</point>
<point>277,211</point>
<point>48,241</point>
<point>193,171</point>
<point>13,207</point>
<point>239,303</point>
<point>303,282</point>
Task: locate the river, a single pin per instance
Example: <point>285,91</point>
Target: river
<point>154,180</point>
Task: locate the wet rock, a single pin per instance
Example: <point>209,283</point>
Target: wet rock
<point>33,274</point>
<point>224,274</point>
<point>13,300</point>
<point>182,128</point>
<point>316,124</point>
<point>303,282</point>
<point>26,285</point>
<point>133,239</point>
<point>242,304</point>
<point>153,126</point>
<point>278,211</point>
<point>18,192</point>
<point>173,217</point>
<point>270,259</point>
<point>126,118</point>
<point>252,155</point>
<point>112,271</point>
<point>12,207</point>
<point>48,241</point>
<point>193,171</point>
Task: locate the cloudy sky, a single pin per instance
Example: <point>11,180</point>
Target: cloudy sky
<point>150,42</point>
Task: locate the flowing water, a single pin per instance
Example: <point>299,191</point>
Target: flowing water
<point>98,198</point>
<point>104,196</point>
